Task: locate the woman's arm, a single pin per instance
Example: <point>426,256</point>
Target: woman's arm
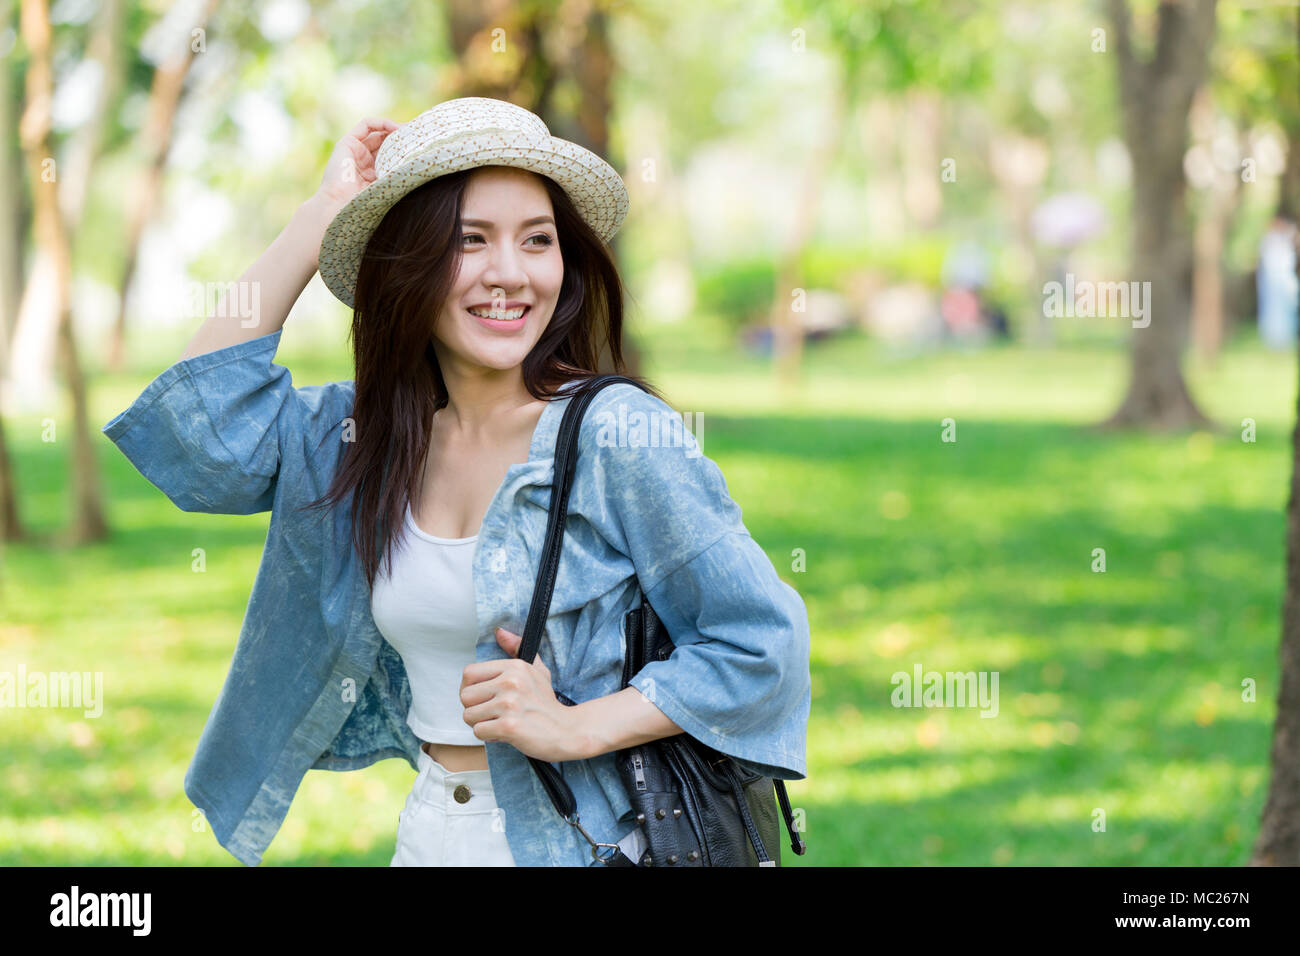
<point>515,702</point>
<point>209,430</point>
<point>625,719</point>
<point>273,283</point>
<point>738,677</point>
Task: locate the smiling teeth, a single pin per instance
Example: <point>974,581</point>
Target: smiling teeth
<point>508,316</point>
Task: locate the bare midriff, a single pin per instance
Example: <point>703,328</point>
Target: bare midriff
<point>457,757</point>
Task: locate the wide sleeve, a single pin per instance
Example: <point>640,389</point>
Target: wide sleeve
<point>738,678</point>
<point>208,431</point>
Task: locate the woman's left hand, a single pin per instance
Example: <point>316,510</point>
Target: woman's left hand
<point>514,702</point>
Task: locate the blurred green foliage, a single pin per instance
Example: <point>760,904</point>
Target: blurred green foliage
<point>740,290</point>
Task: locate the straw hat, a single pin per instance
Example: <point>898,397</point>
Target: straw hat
<point>455,135</point>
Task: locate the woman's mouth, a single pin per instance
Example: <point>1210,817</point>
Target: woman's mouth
<point>501,319</point>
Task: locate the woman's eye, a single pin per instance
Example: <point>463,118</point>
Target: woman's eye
<point>546,240</point>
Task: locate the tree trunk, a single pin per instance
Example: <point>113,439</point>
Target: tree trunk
<point>52,239</point>
<point>1288,199</point>
<point>1219,198</point>
<point>1019,164</point>
<point>922,137</point>
<point>1157,97</point>
<point>1207,284</point>
<point>104,47</point>
<point>787,328</point>
<point>164,100</point>
<point>592,70</point>
<point>1278,843</point>
<point>11,528</point>
<point>11,229</point>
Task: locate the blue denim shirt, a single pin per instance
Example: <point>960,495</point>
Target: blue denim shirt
<point>314,685</point>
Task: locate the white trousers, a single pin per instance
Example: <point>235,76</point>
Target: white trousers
<point>451,819</point>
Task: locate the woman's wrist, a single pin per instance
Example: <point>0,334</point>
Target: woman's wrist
<point>315,214</point>
<point>581,739</point>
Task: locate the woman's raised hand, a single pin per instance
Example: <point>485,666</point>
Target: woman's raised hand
<point>351,165</point>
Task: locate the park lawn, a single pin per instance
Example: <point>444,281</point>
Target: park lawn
<point>1120,694</point>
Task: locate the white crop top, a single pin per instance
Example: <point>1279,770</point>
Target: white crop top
<point>424,607</point>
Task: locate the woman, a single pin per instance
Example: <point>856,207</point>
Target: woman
<point>409,506</point>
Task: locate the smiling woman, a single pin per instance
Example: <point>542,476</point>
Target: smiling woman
<point>449,406</point>
<point>508,279</point>
<point>521,288</point>
<point>409,507</point>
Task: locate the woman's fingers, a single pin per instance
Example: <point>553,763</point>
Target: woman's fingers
<point>354,163</point>
<point>371,142</point>
<point>365,149</point>
<point>365,138</point>
<point>363,128</point>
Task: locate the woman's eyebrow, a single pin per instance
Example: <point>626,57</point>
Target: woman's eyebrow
<point>488,224</point>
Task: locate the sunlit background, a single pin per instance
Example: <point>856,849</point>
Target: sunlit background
<point>847,220</point>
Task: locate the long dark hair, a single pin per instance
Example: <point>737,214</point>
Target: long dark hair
<point>405,276</point>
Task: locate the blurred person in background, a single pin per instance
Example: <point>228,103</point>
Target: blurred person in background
<point>1277,284</point>
<point>968,314</point>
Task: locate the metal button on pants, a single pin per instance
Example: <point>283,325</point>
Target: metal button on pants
<point>451,819</point>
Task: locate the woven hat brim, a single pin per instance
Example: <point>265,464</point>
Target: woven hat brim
<point>598,193</point>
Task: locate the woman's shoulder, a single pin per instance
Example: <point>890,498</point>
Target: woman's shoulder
<point>328,398</point>
<point>325,411</point>
<point>625,416</point>
<point>645,458</point>
<point>666,498</point>
<point>620,401</point>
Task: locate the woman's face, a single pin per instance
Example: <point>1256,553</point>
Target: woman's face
<point>510,258</point>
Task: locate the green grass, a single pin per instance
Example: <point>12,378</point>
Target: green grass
<point>1119,692</point>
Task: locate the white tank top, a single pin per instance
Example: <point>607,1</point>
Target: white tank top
<point>424,607</point>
